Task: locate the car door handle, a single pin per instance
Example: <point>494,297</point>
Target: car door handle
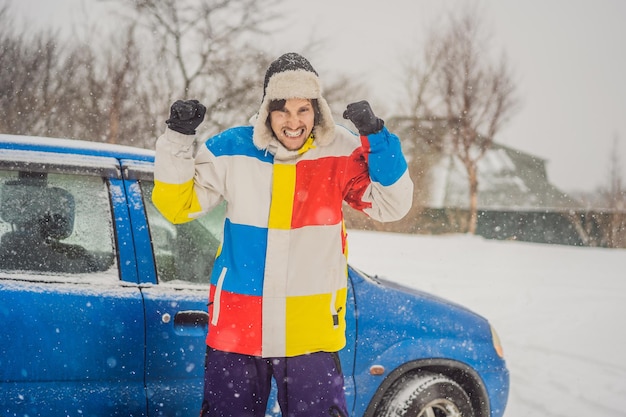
<point>191,318</point>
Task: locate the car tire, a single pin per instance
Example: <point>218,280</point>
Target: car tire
<point>425,394</point>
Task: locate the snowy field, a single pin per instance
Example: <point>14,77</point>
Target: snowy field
<point>559,311</point>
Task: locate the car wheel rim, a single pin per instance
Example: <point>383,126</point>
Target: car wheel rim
<point>440,408</point>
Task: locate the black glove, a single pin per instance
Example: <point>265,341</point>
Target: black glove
<point>186,116</point>
<point>363,117</point>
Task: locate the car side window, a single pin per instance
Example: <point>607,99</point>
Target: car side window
<point>184,253</point>
<point>55,224</point>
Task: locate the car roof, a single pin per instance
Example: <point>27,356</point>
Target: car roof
<point>74,146</point>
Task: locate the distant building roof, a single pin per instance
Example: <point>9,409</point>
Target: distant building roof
<point>508,179</point>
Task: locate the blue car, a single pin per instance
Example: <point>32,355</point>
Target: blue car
<point>103,304</point>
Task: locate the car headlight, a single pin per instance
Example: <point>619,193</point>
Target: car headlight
<point>496,342</point>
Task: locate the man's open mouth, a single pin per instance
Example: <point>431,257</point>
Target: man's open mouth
<point>293,133</point>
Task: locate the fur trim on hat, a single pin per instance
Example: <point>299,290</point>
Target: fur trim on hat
<point>289,84</point>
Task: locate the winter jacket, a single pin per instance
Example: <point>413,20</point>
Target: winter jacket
<point>279,282</point>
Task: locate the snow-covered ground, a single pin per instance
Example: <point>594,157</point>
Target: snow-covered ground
<point>559,311</point>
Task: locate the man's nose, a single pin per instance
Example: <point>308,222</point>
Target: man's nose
<point>293,120</point>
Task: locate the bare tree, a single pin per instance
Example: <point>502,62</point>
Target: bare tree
<point>33,78</point>
<point>51,86</point>
<point>117,87</point>
<point>458,99</point>
<point>615,198</point>
<point>22,69</point>
<point>614,193</point>
<point>120,72</point>
<point>205,49</point>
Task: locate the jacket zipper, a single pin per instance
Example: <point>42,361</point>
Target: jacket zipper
<point>334,312</point>
<point>216,298</point>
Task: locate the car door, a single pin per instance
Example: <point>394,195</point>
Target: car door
<point>174,264</point>
<point>71,329</point>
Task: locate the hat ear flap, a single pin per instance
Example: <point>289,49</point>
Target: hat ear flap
<point>262,135</point>
<point>324,129</point>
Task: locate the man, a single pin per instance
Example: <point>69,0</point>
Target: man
<point>279,284</point>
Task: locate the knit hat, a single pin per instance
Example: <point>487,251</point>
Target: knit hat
<point>292,76</point>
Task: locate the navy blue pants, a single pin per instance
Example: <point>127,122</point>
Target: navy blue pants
<point>239,385</point>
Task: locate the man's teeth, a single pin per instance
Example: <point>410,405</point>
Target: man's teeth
<point>294,133</point>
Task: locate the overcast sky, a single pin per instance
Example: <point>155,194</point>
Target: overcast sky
<point>569,57</point>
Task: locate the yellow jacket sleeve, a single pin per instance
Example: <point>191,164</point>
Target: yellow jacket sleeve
<point>183,191</point>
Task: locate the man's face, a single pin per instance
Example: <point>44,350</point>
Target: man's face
<point>293,124</point>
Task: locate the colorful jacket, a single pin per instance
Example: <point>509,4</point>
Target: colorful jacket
<point>279,282</point>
